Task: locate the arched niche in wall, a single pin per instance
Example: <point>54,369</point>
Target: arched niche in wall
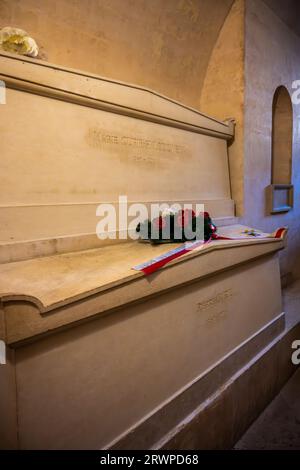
<point>281,188</point>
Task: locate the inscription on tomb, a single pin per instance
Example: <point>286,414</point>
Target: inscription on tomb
<point>139,149</point>
<point>215,307</point>
<point>221,297</point>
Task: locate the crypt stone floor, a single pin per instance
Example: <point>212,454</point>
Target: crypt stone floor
<point>278,426</point>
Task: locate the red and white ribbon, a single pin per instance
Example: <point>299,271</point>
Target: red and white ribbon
<point>154,264</point>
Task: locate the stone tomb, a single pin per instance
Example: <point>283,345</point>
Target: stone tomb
<point>98,355</point>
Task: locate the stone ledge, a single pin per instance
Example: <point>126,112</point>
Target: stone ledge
<point>74,86</point>
<point>48,293</point>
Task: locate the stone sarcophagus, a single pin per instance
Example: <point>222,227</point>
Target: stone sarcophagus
<point>97,354</point>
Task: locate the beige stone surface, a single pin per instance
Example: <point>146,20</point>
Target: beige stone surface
<point>84,387</point>
<point>25,249</point>
<point>87,142</point>
<point>94,91</point>
<point>266,70</point>
<point>262,379</point>
<point>224,64</point>
<point>57,279</point>
<point>222,93</point>
<point>89,385</point>
<point>162,426</point>
<point>48,293</point>
<point>65,374</point>
<point>164,45</point>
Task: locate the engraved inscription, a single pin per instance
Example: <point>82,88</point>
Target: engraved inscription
<point>215,317</point>
<point>215,308</point>
<point>100,138</point>
<point>221,297</point>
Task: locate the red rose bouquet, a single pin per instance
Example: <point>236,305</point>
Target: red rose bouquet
<point>180,226</point>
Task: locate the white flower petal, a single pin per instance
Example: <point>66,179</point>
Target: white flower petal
<point>17,40</point>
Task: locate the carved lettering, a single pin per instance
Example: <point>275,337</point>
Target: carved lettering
<point>100,138</point>
<point>221,297</point>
